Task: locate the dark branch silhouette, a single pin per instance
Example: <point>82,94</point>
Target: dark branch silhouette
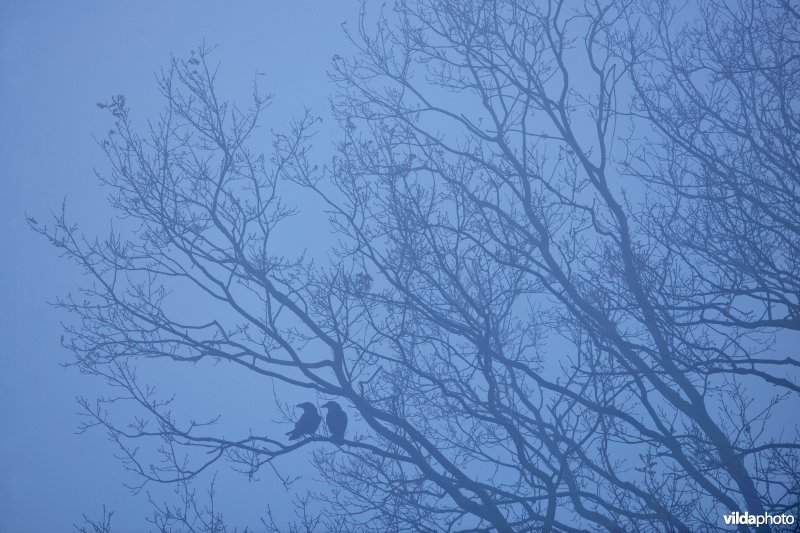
<point>567,242</point>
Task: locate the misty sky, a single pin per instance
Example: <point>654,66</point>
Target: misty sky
<point>57,60</point>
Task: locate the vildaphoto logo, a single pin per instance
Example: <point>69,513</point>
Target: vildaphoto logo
<point>747,519</point>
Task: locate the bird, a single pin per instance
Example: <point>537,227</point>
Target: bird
<point>336,420</point>
<point>308,422</point>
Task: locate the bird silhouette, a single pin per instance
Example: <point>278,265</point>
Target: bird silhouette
<point>336,420</point>
<point>308,422</point>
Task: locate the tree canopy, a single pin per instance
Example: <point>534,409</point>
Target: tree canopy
<point>566,263</point>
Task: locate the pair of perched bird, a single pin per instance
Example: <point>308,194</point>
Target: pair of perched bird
<point>307,424</point>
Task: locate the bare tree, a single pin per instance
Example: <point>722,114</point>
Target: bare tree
<point>103,525</point>
<point>528,342</point>
<point>722,92</point>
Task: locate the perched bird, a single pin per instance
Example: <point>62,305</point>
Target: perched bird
<point>308,422</point>
<point>336,420</point>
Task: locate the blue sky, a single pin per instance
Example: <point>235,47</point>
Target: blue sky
<point>57,60</point>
